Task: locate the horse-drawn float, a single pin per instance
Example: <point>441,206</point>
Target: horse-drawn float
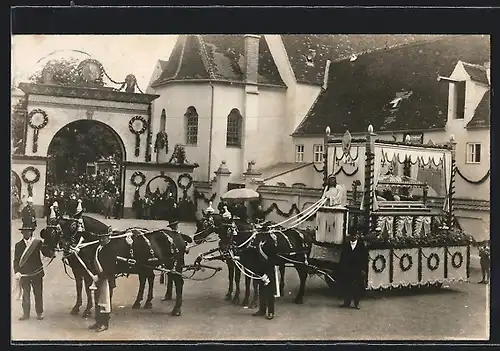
<point>411,241</point>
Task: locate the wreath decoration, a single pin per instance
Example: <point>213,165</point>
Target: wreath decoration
<point>405,262</point>
<point>434,266</point>
<point>374,264</point>
<point>183,176</point>
<point>137,125</point>
<point>30,169</point>
<point>38,119</point>
<point>454,262</point>
<point>161,142</point>
<point>138,182</point>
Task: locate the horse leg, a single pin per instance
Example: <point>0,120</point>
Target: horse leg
<point>168,292</point>
<point>230,269</point>
<point>78,304</point>
<point>282,278</point>
<point>140,293</point>
<point>88,309</point>
<point>255,298</point>
<point>179,284</point>
<point>247,291</point>
<point>237,279</point>
<point>302,271</point>
<point>151,278</point>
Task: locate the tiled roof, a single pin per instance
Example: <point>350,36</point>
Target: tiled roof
<point>335,47</point>
<point>360,92</point>
<point>218,57</point>
<point>476,72</point>
<point>481,116</point>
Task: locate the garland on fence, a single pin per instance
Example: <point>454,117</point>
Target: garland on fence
<point>341,169</point>
<point>198,195</point>
<point>318,170</point>
<point>480,181</point>
<point>274,206</point>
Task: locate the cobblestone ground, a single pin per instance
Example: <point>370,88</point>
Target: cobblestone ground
<point>458,312</point>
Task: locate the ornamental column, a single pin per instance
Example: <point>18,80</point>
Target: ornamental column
<point>369,175</point>
<point>451,191</point>
<point>222,175</point>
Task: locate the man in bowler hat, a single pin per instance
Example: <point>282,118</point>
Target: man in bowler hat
<point>352,270</point>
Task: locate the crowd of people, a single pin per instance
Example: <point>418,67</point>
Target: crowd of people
<point>99,192</point>
<point>159,205</point>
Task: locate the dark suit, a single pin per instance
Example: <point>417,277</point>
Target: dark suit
<point>352,270</point>
<point>28,217</point>
<point>31,265</point>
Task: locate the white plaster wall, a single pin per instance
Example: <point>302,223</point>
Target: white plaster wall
<point>175,98</point>
<point>226,98</point>
<point>268,143</point>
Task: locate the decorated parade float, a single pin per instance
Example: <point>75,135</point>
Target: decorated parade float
<point>411,242</point>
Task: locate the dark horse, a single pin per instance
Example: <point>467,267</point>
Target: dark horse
<point>65,236</point>
<point>214,223</point>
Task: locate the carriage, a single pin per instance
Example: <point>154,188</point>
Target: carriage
<point>412,240</point>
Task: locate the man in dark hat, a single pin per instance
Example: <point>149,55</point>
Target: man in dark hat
<point>28,214</point>
<point>104,263</point>
<point>28,269</point>
<point>352,269</point>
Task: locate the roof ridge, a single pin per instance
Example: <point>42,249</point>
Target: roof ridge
<point>310,109</point>
<point>184,37</point>
<point>390,48</point>
<point>204,57</point>
<point>474,65</point>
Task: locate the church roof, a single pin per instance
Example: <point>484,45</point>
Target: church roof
<point>335,48</point>
<point>481,118</point>
<point>394,89</point>
<point>216,57</point>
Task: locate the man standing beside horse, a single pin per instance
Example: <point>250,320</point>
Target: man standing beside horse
<point>28,266</point>
<point>104,263</point>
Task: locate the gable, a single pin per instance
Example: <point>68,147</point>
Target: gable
<point>394,90</point>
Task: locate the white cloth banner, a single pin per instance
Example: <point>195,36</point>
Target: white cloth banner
<point>405,267</point>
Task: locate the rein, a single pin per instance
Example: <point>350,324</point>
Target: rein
<point>39,270</point>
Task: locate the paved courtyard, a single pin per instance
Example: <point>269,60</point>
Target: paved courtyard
<point>460,311</point>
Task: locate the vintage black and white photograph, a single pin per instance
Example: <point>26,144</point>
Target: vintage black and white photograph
<point>250,187</point>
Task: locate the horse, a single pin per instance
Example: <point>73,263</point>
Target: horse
<point>214,223</point>
<point>65,235</point>
<point>277,246</point>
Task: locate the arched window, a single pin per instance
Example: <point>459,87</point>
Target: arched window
<point>234,126</point>
<point>191,126</point>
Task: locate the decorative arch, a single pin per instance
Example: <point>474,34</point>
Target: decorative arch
<point>118,138</point>
<point>234,128</point>
<point>191,117</point>
<point>122,156</point>
<point>164,184</point>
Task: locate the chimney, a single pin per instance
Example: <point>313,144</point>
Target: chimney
<point>251,58</point>
<point>488,71</point>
